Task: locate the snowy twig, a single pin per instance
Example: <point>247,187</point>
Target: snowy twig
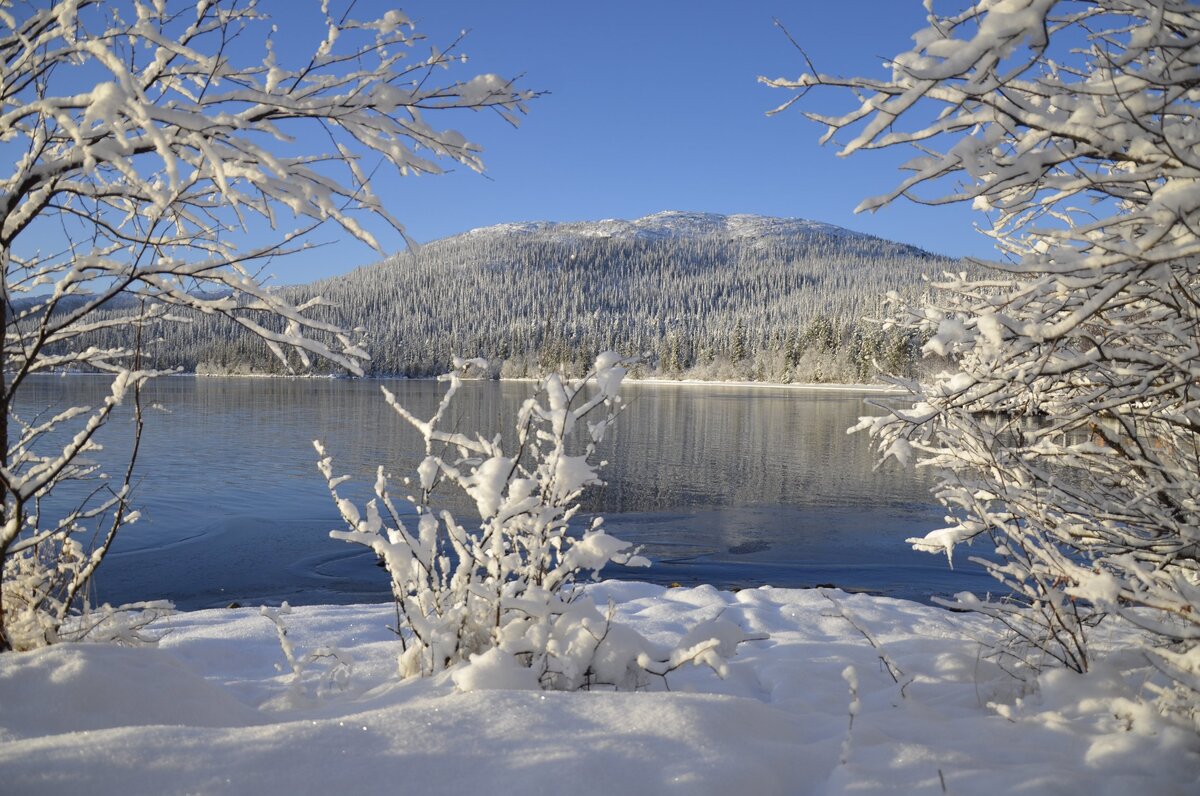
<point>885,660</point>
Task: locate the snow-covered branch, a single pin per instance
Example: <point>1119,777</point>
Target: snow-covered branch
<point>506,586</point>
<point>1068,429</point>
<point>164,152</point>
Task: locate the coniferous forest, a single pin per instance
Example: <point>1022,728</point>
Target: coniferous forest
<point>695,296</point>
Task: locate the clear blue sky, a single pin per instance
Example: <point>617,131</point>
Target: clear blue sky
<point>655,105</point>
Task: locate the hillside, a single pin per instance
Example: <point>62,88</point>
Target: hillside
<point>696,295</point>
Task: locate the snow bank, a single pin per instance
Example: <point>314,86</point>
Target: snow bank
<point>208,711</point>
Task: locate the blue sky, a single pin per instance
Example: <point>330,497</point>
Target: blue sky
<point>655,106</point>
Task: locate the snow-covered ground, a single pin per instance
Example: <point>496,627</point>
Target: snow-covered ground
<point>208,712</point>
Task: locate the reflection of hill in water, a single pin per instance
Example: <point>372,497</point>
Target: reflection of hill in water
<point>728,478</point>
<point>725,446</point>
<point>675,446</point>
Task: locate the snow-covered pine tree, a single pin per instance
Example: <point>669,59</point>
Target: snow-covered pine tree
<point>1067,429</point>
<point>164,150</point>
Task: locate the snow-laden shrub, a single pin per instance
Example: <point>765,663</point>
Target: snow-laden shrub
<point>34,604</point>
<point>43,604</point>
<point>509,581</point>
<point>1065,429</point>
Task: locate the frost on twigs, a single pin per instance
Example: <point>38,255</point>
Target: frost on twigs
<point>160,155</point>
<point>498,598</point>
<point>39,609</point>
<point>337,664</point>
<point>50,553</point>
<point>1067,431</point>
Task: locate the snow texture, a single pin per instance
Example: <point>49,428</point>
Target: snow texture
<point>667,224</point>
<point>209,711</point>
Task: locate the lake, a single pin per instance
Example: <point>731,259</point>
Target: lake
<point>737,486</point>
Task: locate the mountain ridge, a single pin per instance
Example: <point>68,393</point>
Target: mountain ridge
<point>671,223</point>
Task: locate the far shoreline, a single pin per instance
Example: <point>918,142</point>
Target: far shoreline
<point>629,380</point>
<point>656,381</point>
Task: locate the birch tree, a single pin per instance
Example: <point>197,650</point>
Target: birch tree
<point>1067,431</point>
<point>161,152</point>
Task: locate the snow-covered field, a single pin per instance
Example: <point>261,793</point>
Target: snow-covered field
<point>207,711</point>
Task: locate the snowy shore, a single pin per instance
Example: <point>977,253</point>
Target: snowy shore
<point>207,711</point>
<point>634,380</point>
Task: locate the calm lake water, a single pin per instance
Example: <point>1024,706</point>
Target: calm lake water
<point>734,486</point>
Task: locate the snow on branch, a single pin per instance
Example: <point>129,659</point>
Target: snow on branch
<point>163,154</point>
<point>497,598</point>
<point>1067,429</point>
<point>179,147</point>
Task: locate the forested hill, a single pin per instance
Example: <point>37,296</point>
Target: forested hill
<point>696,295</point>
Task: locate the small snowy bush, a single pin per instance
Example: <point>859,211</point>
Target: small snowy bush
<point>32,593</point>
<point>43,604</point>
<point>509,582</point>
<point>336,676</point>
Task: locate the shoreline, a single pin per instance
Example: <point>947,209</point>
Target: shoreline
<point>655,381</point>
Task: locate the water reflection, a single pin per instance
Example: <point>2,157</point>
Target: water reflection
<point>742,446</point>
<point>737,486</point>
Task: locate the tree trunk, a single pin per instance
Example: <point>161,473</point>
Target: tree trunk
<point>5,643</point>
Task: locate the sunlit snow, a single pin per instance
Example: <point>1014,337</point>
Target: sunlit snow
<point>215,708</point>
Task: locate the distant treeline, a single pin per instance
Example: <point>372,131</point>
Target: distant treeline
<point>788,307</point>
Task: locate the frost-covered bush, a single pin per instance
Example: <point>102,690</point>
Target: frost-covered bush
<point>505,584</point>
<point>1066,430</point>
<point>40,584</point>
<point>36,604</point>
<point>153,168</point>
